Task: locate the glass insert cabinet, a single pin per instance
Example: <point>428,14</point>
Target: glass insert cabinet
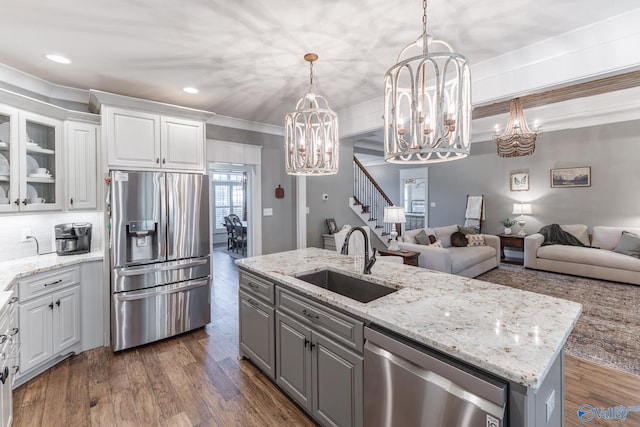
<point>29,161</point>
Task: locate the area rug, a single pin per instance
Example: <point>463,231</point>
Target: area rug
<point>608,330</point>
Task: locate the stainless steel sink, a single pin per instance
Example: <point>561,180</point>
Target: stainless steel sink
<point>350,287</point>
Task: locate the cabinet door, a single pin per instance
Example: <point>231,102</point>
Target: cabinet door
<point>40,162</point>
<point>293,359</point>
<point>182,144</point>
<point>36,332</point>
<point>337,384</point>
<point>66,318</point>
<point>132,138</point>
<point>257,333</point>
<point>81,146</point>
<point>9,160</point>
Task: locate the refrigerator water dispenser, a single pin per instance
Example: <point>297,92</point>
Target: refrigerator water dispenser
<point>143,241</point>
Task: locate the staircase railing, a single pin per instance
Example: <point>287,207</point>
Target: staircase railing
<point>372,197</point>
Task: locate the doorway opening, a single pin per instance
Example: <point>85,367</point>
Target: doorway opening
<point>414,191</point>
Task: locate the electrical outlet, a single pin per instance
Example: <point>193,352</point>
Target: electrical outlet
<point>433,204</point>
<point>24,233</point>
<point>551,403</point>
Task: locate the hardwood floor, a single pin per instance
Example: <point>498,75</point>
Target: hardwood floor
<point>196,380</point>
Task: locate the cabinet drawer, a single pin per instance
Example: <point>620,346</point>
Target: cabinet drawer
<point>336,325</point>
<point>257,286</point>
<point>42,283</point>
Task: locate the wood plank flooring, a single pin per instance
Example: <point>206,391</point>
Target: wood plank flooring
<point>196,380</point>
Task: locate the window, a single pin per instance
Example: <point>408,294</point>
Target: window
<point>229,193</point>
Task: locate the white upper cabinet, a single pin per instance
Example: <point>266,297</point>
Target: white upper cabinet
<point>133,138</point>
<point>81,148</point>
<point>141,134</point>
<point>29,161</point>
<point>182,143</point>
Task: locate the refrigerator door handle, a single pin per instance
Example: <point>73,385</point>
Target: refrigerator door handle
<point>136,295</point>
<point>135,271</point>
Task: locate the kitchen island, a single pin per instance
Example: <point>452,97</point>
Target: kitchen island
<point>515,335</point>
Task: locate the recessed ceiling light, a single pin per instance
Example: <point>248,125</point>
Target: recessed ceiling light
<point>190,89</point>
<point>58,58</point>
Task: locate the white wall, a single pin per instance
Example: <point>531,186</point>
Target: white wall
<point>41,226</point>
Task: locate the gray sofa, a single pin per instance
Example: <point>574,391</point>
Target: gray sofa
<point>600,263</point>
<point>463,261</point>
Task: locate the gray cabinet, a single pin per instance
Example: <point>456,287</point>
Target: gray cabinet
<point>257,328</point>
<point>322,375</point>
<point>293,362</point>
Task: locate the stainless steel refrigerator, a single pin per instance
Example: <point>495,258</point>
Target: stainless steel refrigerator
<point>160,255</point>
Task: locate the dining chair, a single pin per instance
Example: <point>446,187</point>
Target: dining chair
<point>239,235</point>
<point>228,223</point>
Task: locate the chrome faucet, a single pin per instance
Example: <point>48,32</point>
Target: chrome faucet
<point>368,262</point>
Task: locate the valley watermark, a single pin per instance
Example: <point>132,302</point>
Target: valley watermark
<point>588,412</point>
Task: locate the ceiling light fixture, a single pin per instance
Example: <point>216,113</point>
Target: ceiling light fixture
<point>311,134</point>
<point>191,90</point>
<point>517,139</point>
<point>427,103</point>
<point>58,58</point>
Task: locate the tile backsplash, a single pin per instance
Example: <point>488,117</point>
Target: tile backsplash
<point>41,226</point>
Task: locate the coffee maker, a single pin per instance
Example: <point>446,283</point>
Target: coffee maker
<point>73,238</point>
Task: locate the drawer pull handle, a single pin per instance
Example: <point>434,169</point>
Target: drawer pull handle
<point>306,343</point>
<point>253,303</point>
<point>311,346</point>
<point>51,306</point>
<point>253,286</point>
<point>13,331</point>
<point>312,316</point>
<point>16,369</point>
<point>12,300</point>
<point>53,283</point>
<point>3,338</point>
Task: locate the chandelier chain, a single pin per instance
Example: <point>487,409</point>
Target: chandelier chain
<point>424,27</point>
<point>311,72</point>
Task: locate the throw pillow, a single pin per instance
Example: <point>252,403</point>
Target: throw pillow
<point>467,230</point>
<point>432,239</point>
<point>475,240</point>
<point>422,238</point>
<point>458,240</point>
<point>629,244</point>
<point>437,244</point>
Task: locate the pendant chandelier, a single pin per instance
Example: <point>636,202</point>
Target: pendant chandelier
<point>311,134</point>
<point>427,103</point>
<point>517,139</point>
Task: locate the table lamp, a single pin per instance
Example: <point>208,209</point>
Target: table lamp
<point>394,215</point>
<point>522,209</point>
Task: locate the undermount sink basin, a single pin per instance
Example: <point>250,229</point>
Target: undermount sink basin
<point>350,287</point>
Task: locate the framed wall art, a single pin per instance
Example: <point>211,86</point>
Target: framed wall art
<point>331,225</point>
<point>571,177</point>
<point>519,181</point>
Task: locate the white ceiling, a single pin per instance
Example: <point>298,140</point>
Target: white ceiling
<point>246,56</point>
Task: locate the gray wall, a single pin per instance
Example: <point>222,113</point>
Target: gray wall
<point>278,231</point>
<point>611,150</point>
<point>339,188</point>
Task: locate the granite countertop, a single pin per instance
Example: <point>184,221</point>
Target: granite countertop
<point>512,333</point>
<point>11,270</point>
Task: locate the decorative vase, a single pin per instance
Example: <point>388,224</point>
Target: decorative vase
<point>507,230</point>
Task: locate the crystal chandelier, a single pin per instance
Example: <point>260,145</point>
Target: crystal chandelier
<point>427,103</point>
<point>311,134</point>
<point>517,139</point>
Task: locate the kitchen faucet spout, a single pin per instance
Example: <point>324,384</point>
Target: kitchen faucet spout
<point>368,262</point>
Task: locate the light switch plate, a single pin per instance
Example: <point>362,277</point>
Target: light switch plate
<point>433,204</point>
<point>267,212</point>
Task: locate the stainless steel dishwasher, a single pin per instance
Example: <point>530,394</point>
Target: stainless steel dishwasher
<point>406,385</point>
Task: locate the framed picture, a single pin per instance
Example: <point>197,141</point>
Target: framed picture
<point>571,177</point>
<point>331,223</point>
<point>519,181</point>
